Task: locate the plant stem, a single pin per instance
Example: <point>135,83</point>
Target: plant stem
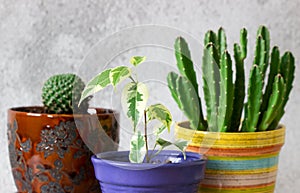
<point>146,137</point>
<point>131,78</point>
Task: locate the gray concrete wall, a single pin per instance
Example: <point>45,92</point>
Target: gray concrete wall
<point>46,37</point>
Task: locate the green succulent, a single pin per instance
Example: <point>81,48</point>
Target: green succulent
<point>61,94</point>
<point>224,97</point>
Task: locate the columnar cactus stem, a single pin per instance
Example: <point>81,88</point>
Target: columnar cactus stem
<point>222,41</point>
<point>226,93</point>
<point>287,70</point>
<point>274,70</point>
<point>243,42</point>
<point>184,61</point>
<point>187,99</point>
<point>186,69</point>
<point>259,56</point>
<point>211,78</point>
<point>210,37</point>
<point>240,53</point>
<point>254,99</point>
<point>172,84</point>
<point>275,100</point>
<point>265,34</point>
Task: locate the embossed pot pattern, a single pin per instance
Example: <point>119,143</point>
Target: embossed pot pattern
<point>47,152</point>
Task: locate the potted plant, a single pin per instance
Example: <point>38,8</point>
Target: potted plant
<point>242,140</point>
<point>142,169</point>
<point>46,143</point>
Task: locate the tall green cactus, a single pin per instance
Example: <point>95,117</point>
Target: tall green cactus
<point>224,99</point>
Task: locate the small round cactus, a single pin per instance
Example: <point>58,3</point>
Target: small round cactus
<point>61,94</point>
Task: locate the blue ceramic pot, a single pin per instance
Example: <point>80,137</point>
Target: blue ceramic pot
<point>116,174</point>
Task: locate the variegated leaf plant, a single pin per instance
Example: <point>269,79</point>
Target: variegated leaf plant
<point>134,103</point>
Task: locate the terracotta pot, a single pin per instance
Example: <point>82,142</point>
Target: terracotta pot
<point>47,151</point>
<point>237,162</point>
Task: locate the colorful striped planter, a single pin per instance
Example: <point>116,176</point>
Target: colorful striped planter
<point>237,162</point>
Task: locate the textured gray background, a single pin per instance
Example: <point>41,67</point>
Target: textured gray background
<point>42,38</point>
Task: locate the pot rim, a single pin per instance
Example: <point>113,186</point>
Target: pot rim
<point>197,159</point>
<point>146,175</point>
<point>207,139</point>
<point>21,110</point>
<point>181,126</point>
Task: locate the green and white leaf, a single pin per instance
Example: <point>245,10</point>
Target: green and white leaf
<point>137,148</point>
<point>160,113</point>
<point>96,84</point>
<point>163,143</point>
<point>118,74</point>
<point>134,101</point>
<point>136,60</point>
<point>181,145</point>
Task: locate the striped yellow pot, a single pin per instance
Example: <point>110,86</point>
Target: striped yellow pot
<point>237,162</point>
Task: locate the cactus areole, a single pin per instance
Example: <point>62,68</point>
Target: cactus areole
<point>225,90</point>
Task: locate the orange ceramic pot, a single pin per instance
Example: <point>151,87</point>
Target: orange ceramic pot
<point>47,151</point>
